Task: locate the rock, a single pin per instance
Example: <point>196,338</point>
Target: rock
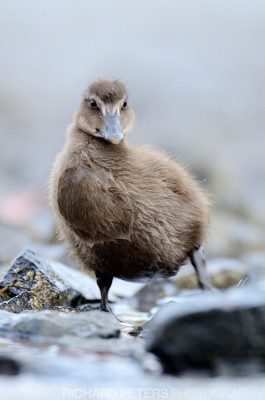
<point>28,273</point>
<point>150,326</point>
<point>49,283</point>
<point>125,289</point>
<point>228,278</point>
<point>9,366</point>
<point>53,284</point>
<point>136,330</point>
<point>18,303</point>
<point>79,281</point>
<point>83,308</point>
<point>224,273</point>
<point>147,296</point>
<point>210,328</point>
<point>86,285</point>
<point>58,327</point>
<point>187,281</point>
<point>64,309</point>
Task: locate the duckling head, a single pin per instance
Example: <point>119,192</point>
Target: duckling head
<point>104,111</point>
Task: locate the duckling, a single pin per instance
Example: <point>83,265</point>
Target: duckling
<point>127,212</point>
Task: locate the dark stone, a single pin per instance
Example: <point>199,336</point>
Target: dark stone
<point>136,331</point>
<point>208,329</point>
<point>84,307</point>
<point>9,366</point>
<point>151,325</point>
<point>18,303</point>
<point>29,273</point>
<point>34,284</point>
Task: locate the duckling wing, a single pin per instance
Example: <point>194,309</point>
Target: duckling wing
<point>94,204</point>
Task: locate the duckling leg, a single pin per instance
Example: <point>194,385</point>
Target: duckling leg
<point>104,282</point>
<point>197,259</point>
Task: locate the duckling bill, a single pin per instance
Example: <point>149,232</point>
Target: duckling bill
<point>126,212</point>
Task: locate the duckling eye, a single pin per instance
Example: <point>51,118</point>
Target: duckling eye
<point>124,104</point>
<point>93,104</point>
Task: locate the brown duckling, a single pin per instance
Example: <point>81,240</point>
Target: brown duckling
<point>126,212</point>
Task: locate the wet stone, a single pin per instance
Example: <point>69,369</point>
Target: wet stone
<point>49,326</point>
<point>222,280</point>
<point>84,307</point>
<point>48,284</point>
<point>64,309</point>
<point>81,308</point>
<point>84,287</point>
<point>18,303</point>
<point>223,272</point>
<point>209,329</point>
<point>9,366</point>
<point>149,327</point>
<point>28,273</point>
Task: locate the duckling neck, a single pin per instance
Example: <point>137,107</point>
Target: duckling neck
<point>102,152</point>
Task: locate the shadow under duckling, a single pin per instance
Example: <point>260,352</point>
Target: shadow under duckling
<point>126,212</point>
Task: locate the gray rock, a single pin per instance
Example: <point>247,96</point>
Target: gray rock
<point>18,303</point>
<point>49,284</point>
<point>58,327</point>
<point>147,296</point>
<point>28,273</point>
<point>64,309</point>
<point>228,272</point>
<point>86,284</point>
<point>80,282</point>
<point>83,308</point>
<point>150,326</point>
<point>124,289</point>
<point>223,272</point>
<point>208,328</point>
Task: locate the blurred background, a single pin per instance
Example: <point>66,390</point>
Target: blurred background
<point>196,77</point>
